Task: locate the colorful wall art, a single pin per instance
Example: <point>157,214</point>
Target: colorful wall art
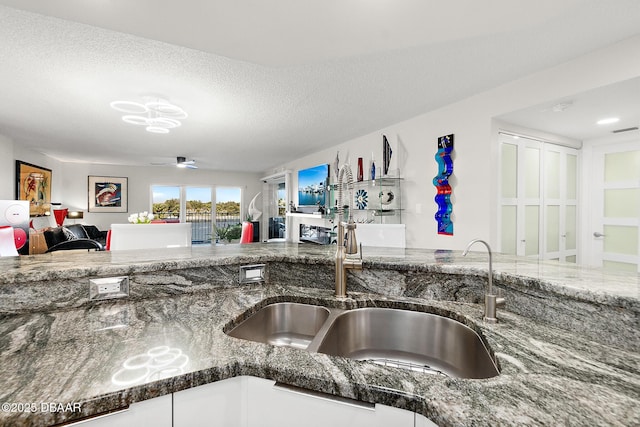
<point>108,194</point>
<point>441,182</point>
<point>34,185</point>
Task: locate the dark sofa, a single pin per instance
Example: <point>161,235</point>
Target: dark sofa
<point>76,236</point>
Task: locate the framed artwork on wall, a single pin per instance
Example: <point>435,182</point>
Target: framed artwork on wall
<point>33,183</point>
<point>108,194</point>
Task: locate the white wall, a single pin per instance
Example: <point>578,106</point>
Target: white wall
<point>475,177</point>
<point>7,169</point>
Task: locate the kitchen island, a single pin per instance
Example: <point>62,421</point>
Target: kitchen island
<point>557,366</point>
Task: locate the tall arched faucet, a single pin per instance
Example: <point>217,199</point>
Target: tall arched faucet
<point>347,244</point>
<point>491,301</point>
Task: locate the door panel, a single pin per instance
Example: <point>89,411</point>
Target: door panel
<point>616,224</point>
<point>532,233</point>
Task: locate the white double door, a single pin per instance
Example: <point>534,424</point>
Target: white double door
<point>538,199</point>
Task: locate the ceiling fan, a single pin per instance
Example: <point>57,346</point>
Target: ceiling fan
<point>181,162</point>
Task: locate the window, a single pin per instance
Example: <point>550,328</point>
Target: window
<point>166,202</point>
<point>185,204</point>
<point>228,208</point>
<point>198,213</point>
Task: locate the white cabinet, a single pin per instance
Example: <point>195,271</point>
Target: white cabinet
<point>422,421</point>
<point>256,402</point>
<point>280,407</point>
<point>153,412</point>
<point>222,404</point>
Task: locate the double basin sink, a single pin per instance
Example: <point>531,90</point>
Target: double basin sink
<point>397,338</point>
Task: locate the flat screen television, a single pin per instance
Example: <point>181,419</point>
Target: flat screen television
<point>312,186</point>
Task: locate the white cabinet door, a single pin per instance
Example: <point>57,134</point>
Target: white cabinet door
<point>222,403</point>
<point>153,412</point>
<point>422,421</point>
<point>280,407</point>
<point>255,402</point>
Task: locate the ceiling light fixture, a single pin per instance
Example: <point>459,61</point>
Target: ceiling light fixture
<point>158,116</point>
<point>608,121</point>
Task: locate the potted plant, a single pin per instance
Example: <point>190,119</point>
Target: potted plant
<point>229,232</point>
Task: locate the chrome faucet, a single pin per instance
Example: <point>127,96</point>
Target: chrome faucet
<point>491,301</point>
<point>347,244</point>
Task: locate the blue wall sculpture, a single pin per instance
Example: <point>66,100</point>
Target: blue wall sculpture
<point>441,182</point>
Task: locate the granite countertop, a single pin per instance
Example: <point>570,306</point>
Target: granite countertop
<point>549,376</point>
<point>565,278</point>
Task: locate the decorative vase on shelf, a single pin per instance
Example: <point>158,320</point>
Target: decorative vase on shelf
<point>373,168</point>
<point>360,169</point>
<point>386,154</point>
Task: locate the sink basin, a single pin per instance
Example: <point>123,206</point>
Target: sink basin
<point>283,324</point>
<point>412,340</point>
<point>398,338</point>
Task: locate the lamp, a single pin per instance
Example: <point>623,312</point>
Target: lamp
<point>60,215</point>
<point>75,215</point>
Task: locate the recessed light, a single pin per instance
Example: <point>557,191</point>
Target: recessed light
<point>608,121</point>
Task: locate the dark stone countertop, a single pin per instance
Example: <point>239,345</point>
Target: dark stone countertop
<point>73,353</point>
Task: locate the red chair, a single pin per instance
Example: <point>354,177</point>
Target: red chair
<point>247,232</point>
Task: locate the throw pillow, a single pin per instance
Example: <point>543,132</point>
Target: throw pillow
<point>68,234</point>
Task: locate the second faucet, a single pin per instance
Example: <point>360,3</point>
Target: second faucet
<point>491,300</point>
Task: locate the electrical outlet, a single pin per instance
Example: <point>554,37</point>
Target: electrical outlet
<point>252,273</point>
<point>108,288</point>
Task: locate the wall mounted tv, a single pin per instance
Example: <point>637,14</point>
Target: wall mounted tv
<point>312,186</point>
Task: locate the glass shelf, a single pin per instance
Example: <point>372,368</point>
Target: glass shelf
<point>380,200</point>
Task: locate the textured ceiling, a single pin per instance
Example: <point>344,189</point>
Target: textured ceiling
<point>267,82</point>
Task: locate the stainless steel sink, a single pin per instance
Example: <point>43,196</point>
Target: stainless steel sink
<point>418,341</point>
<point>398,338</point>
<point>283,324</point>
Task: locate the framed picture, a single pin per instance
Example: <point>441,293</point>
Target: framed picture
<point>107,194</point>
<point>33,183</point>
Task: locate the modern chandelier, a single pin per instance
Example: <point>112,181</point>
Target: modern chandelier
<point>157,116</point>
